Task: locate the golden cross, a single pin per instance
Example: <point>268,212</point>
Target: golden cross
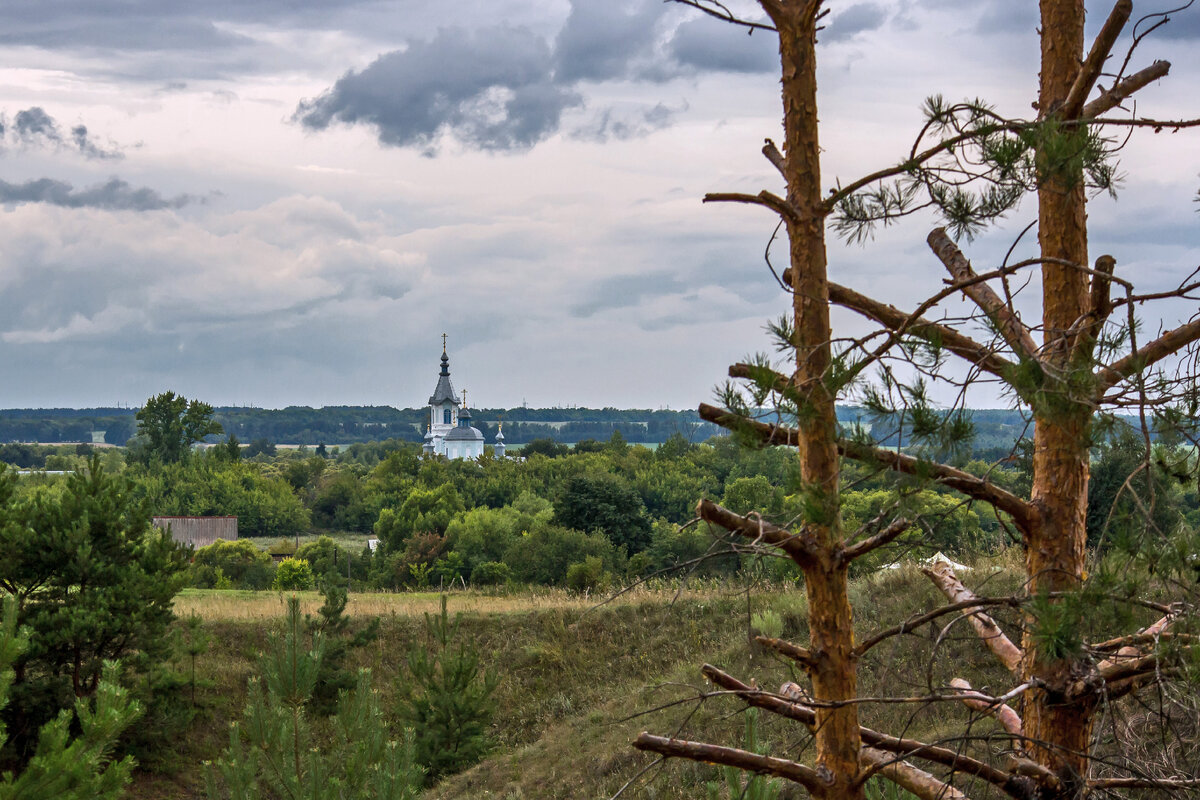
<point>443,342</point>
<point>464,398</point>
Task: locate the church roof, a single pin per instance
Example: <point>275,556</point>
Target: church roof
<point>461,434</point>
<point>444,393</point>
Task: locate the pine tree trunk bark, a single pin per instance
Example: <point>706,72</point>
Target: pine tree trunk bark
<point>1059,732</point>
<point>834,669</point>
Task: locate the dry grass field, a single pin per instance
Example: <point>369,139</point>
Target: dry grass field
<point>216,605</point>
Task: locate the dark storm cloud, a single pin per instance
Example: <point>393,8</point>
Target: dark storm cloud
<point>35,125</point>
<point>507,87</point>
<point>858,18</point>
<point>491,88</point>
<point>605,40</point>
<point>704,45</point>
<point>113,195</point>
<point>34,128</point>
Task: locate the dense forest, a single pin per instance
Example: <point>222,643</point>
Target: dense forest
<point>338,425</point>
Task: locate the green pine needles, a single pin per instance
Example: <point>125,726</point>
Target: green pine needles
<point>63,766</point>
<point>447,699</point>
<point>275,752</point>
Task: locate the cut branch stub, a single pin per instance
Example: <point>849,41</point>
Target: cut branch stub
<point>942,575</point>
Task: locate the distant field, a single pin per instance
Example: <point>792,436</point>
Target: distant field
<point>232,605</point>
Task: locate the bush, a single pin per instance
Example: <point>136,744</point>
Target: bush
<point>543,555</point>
<point>587,575</point>
<point>293,574</point>
<point>240,563</point>
<point>491,573</point>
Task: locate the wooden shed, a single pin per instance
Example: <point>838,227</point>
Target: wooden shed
<point>199,531</point>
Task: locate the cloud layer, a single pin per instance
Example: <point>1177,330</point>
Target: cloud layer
<point>508,88</point>
<point>34,129</point>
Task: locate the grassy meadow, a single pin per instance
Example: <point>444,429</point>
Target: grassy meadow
<point>580,679</point>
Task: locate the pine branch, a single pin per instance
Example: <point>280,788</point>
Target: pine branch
<point>914,622</point>
<point>764,198</point>
<point>1146,356</point>
<point>1017,787</point>
<point>1089,72</point>
<point>1011,329</point>
<point>916,781</point>
<point>731,756</point>
<point>1144,783</point>
<point>978,701</point>
<point>756,529</point>
<point>894,319</point>
<point>1022,512</point>
<point>888,534</point>
<point>942,575</point>
<point>1108,100</point>
<point>795,652</point>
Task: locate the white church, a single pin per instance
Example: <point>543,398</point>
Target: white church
<point>449,432</point>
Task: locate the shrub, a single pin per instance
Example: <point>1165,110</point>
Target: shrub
<point>491,573</point>
<point>293,574</point>
<point>242,564</point>
<point>587,575</point>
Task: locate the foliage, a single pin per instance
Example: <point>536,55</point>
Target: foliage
<point>446,698</point>
<point>62,767</point>
<point>602,503</point>
<point>588,575</point>
<point>93,582</point>
<point>293,574</point>
<point>340,638</point>
<point>271,752</point>
<point>264,504</point>
<point>423,511</point>
<point>168,425</point>
<point>740,786</point>
<point>544,555</point>
<point>242,564</point>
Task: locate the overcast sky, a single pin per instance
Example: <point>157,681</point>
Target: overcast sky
<point>287,202</point>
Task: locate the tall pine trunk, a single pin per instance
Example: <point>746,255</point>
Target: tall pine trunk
<point>1055,552</point>
<point>834,666</point>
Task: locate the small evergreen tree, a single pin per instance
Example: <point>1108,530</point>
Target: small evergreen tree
<point>334,627</point>
<point>448,699</point>
<point>273,751</point>
<point>65,768</point>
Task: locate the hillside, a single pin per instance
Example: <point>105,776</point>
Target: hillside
<point>575,676</point>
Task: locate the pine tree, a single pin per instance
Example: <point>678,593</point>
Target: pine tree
<point>448,700</point>
<point>336,631</point>
<point>275,753</point>
<point>65,767</point>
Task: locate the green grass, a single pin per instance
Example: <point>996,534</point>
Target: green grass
<point>579,682</point>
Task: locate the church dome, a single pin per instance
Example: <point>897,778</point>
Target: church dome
<point>464,434</point>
